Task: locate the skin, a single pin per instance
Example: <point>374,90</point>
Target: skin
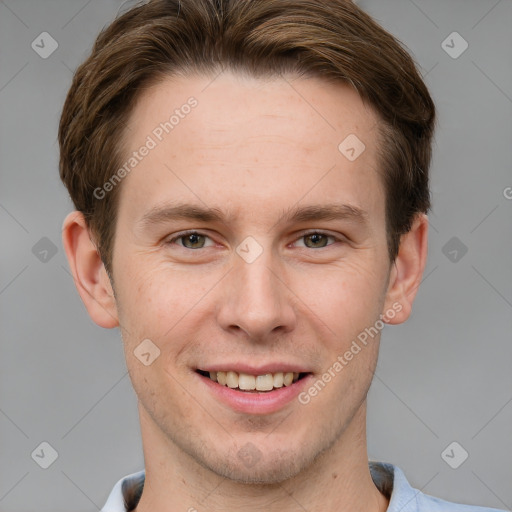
<point>251,148</point>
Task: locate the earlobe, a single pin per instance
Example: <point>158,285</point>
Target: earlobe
<point>89,274</point>
<point>406,272</point>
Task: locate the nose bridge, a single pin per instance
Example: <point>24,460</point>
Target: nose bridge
<point>258,301</point>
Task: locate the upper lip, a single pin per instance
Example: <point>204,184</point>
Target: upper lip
<point>254,370</point>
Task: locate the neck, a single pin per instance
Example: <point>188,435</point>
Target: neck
<point>339,479</point>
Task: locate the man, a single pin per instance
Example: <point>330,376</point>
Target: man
<point>251,186</point>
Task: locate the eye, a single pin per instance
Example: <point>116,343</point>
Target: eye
<point>317,239</point>
<point>190,240</point>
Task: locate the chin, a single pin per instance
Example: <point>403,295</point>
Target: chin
<point>261,462</point>
<point>270,469</point>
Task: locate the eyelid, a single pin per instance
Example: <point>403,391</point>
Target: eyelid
<point>298,236</point>
<point>302,234</point>
<point>182,234</point>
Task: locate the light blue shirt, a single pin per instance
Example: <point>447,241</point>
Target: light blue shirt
<point>389,479</point>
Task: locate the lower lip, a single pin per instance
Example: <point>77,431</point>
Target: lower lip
<point>256,403</point>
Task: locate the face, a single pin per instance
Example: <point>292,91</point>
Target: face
<point>248,242</point>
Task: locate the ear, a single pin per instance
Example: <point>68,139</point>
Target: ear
<point>406,272</point>
<point>89,274</point>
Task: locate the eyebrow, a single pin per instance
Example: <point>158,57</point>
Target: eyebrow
<point>172,212</point>
<point>325,212</point>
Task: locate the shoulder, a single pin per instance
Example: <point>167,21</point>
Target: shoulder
<point>391,481</point>
<point>432,504</point>
<point>126,493</point>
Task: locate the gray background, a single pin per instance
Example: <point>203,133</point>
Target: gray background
<point>443,376</point>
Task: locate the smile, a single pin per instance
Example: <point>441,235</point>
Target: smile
<point>253,383</point>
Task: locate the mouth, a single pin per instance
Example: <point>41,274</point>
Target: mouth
<point>247,383</point>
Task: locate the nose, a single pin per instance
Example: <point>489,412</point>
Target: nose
<point>257,299</point>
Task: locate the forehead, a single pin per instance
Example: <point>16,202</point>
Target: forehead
<point>246,141</point>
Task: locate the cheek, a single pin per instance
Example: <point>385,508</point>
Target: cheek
<point>151,299</point>
<point>346,296</point>
<point>165,306</point>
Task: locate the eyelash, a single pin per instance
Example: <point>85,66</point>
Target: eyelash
<point>303,235</point>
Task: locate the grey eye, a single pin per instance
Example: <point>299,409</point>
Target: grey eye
<point>317,239</point>
<point>193,241</point>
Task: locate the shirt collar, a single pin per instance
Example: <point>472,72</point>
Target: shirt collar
<point>389,479</point>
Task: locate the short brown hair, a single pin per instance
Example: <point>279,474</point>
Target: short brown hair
<point>334,40</point>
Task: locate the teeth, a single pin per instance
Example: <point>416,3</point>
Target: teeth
<point>232,379</point>
<point>264,382</point>
<point>278,380</point>
<point>288,379</point>
<point>246,382</point>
